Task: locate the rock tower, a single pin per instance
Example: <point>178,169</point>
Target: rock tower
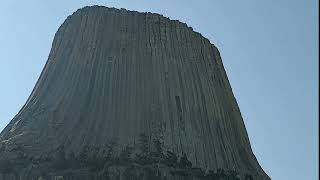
<point>129,95</point>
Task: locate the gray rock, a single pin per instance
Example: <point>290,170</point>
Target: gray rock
<point>113,75</point>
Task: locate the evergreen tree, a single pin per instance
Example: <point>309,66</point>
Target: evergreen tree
<point>184,162</point>
<point>125,155</point>
<point>221,173</point>
<point>95,162</point>
<point>83,156</point>
<point>158,153</point>
<point>144,156</point>
<point>171,159</point>
<point>110,152</point>
<point>248,177</point>
<point>144,145</point>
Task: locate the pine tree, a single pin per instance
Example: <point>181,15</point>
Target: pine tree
<point>184,162</point>
<point>144,156</point>
<point>171,159</point>
<point>144,145</point>
<point>125,155</point>
<point>157,155</point>
<point>84,156</point>
<point>248,177</point>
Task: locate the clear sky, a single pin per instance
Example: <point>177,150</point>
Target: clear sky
<point>269,49</point>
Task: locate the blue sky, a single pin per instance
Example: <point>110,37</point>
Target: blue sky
<point>269,49</point>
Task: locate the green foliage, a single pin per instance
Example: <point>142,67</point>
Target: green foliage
<point>148,157</point>
<point>233,175</point>
<point>184,162</point>
<point>157,155</point>
<point>144,157</point>
<point>111,147</point>
<point>144,145</point>
<point>152,174</point>
<point>130,173</point>
<point>83,156</point>
<point>94,162</point>
<point>248,177</point>
<point>171,159</point>
<point>223,174</point>
<point>126,154</point>
<point>108,154</point>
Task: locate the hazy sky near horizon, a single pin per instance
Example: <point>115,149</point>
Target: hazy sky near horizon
<point>269,50</point>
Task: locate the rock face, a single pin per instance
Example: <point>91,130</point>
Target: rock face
<point>135,92</point>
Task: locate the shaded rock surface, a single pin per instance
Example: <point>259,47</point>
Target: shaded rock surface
<point>113,75</point>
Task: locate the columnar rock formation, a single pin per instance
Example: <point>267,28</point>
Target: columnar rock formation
<point>122,80</point>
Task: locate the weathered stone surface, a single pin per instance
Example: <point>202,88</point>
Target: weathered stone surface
<point>113,75</point>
